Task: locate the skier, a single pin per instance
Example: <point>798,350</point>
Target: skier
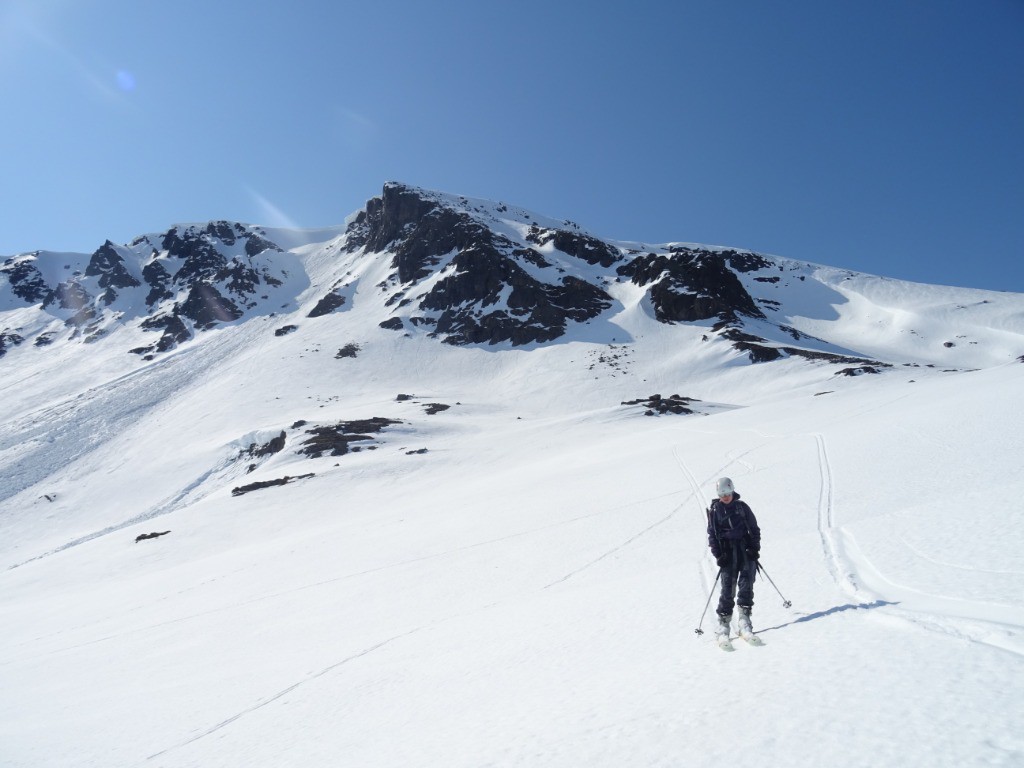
<point>735,541</point>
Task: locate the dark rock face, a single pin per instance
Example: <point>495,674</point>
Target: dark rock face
<point>337,440</point>
<point>755,346</point>
<point>656,404</point>
<point>486,288</point>
<point>193,278</point>
<point>158,279</point>
<point>244,489</point>
<point>386,216</point>
<point>416,229</point>
<point>535,311</point>
<point>349,350</point>
<point>860,370</point>
<point>275,445</point>
<point>9,339</point>
<point>27,282</point>
<point>153,535</point>
<point>71,295</point>
<point>589,249</point>
<point>174,330</point>
<point>107,264</point>
<point>470,301</point>
<point>691,285</point>
<point>201,258</point>
<point>205,307</point>
<point>327,304</point>
<point>744,261</point>
<point>210,287</point>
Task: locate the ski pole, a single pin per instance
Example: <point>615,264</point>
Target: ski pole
<point>698,630</point>
<point>785,602</point>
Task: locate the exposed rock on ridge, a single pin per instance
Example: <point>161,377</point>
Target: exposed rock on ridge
<point>465,272</point>
<point>188,279</point>
<point>486,294</point>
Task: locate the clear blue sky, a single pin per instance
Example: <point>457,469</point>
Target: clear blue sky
<point>884,136</point>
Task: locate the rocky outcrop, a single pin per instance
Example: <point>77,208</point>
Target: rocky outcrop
<point>689,285</point>
<point>327,304</point>
<point>70,295</point>
<point>583,247</point>
<point>656,404</point>
<point>9,339</point>
<point>159,280</point>
<point>533,311</point>
<point>109,267</point>
<point>337,440</point>
<point>485,295</point>
<point>26,281</point>
<point>193,278</point>
<point>241,490</point>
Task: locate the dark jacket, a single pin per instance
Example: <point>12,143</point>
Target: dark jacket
<point>732,521</point>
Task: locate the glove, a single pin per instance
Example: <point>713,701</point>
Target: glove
<point>722,560</point>
<point>752,553</point>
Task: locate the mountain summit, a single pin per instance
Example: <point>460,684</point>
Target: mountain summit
<point>473,272</point>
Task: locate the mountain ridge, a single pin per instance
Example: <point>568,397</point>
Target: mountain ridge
<point>463,271</point>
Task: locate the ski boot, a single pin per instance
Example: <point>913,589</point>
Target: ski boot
<point>746,630</point>
<point>745,627</point>
<point>722,629</point>
<point>722,632</point>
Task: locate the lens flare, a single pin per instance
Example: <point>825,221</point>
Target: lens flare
<point>125,80</point>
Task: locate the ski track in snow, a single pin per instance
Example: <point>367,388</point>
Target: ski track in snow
<point>280,694</point>
<point>618,548</point>
<point>354,575</point>
<point>705,572</point>
<point>850,568</point>
<point>377,646</point>
<point>695,496</point>
<point>826,520</point>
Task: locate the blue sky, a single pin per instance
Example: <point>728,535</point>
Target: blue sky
<point>879,135</point>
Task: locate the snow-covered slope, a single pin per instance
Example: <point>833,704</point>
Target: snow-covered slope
<point>378,549</point>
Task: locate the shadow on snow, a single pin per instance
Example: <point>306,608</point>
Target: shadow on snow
<point>830,612</point>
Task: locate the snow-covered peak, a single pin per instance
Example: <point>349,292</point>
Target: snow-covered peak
<point>468,271</point>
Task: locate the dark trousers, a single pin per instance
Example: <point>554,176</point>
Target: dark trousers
<point>737,578</point>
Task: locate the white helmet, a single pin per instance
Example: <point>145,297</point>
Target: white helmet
<point>725,487</point>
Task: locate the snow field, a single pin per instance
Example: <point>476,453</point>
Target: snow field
<point>523,594</point>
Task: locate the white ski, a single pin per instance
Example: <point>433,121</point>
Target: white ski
<point>724,643</point>
<point>751,638</point>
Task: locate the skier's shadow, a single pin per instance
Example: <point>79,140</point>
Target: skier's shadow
<point>830,612</point>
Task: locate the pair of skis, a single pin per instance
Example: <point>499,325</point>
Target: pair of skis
<point>722,638</point>
<point>725,641</point>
